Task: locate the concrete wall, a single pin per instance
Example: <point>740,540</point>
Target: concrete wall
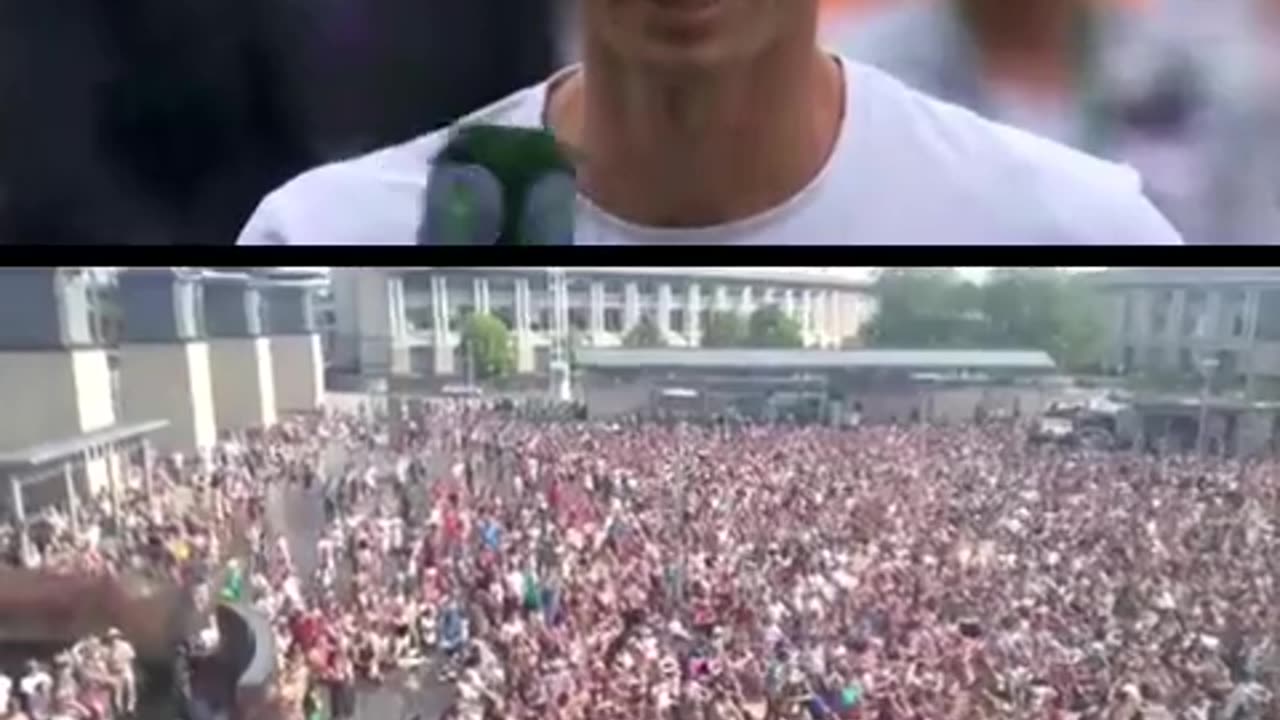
<point>606,401</point>
<point>170,382</point>
<point>52,395</point>
<point>953,404</point>
<point>243,381</point>
<point>298,370</point>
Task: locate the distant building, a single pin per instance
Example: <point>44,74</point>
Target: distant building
<point>406,321</point>
<point>1169,321</point>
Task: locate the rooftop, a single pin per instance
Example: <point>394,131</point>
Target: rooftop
<point>53,451</point>
<point>629,358</point>
<point>794,276</point>
<point>1186,276</point>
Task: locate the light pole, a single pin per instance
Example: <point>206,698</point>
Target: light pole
<point>1207,367</point>
<point>559,368</point>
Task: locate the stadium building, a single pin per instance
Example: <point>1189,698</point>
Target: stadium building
<point>407,321</point>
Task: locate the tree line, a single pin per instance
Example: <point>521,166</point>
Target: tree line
<point>918,308</point>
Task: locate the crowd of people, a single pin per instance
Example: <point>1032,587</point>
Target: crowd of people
<point>150,531</point>
<point>570,569</point>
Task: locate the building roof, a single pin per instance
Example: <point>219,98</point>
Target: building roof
<point>1186,276</point>
<point>697,358</point>
<point>789,276</point>
<point>48,452</point>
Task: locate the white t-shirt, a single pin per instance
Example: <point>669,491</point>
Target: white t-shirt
<point>906,169</point>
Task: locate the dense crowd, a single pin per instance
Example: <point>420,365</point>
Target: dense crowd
<point>151,535</point>
<point>574,570</point>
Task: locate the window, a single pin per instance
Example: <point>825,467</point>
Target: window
<point>613,287</point>
<point>1194,314</point>
<point>1129,354</point>
<point>1233,304</point>
<point>541,320</point>
<point>1268,316</point>
<point>419,318</point>
<point>578,318</point>
<point>676,320</point>
<point>704,319</point>
<point>647,288</point>
<point>507,314</point>
<point>613,320</point>
<point>1160,307</point>
<point>461,313</point>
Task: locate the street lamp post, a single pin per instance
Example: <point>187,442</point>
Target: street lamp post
<point>1207,367</point>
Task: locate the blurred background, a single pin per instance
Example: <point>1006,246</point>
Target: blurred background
<point>165,121</point>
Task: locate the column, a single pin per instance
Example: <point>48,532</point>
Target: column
<point>525,355</point>
<point>296,356</point>
<point>165,369</point>
<point>720,298</point>
<point>789,303</point>
<point>630,306</point>
<point>595,303</point>
<point>1252,303</point>
<point>833,316</point>
<point>55,377</point>
<point>1213,313</point>
<point>73,499</point>
<point>745,306</point>
<point>664,308</point>
<point>806,318</point>
<point>19,515</point>
<point>442,338</point>
<point>240,364</point>
<point>693,314</point>
<point>481,289</point>
<point>1177,308</point>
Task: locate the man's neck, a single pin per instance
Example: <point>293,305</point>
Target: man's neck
<point>703,150</point>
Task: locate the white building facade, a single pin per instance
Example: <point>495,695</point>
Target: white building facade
<point>407,321</point>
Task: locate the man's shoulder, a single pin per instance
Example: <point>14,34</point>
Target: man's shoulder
<point>373,199</point>
<point>1041,190</point>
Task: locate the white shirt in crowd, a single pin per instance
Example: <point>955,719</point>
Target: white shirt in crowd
<point>906,169</point>
<point>6,692</point>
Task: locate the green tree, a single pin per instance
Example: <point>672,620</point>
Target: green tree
<point>725,329</point>
<point>1038,308</point>
<point>1049,310</point>
<point>770,327</point>
<point>487,343</point>
<point>926,308</point>
<point>645,334</point>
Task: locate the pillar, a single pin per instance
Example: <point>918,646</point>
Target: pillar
<point>693,315</point>
<point>73,495</point>
<point>664,308</point>
<point>296,358</point>
<point>630,306</point>
<point>164,357</point>
<point>55,377</point>
<point>240,363</point>
<point>398,323</point>
<point>595,304</point>
<point>526,361</point>
<point>807,327</point>
<point>442,343</point>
